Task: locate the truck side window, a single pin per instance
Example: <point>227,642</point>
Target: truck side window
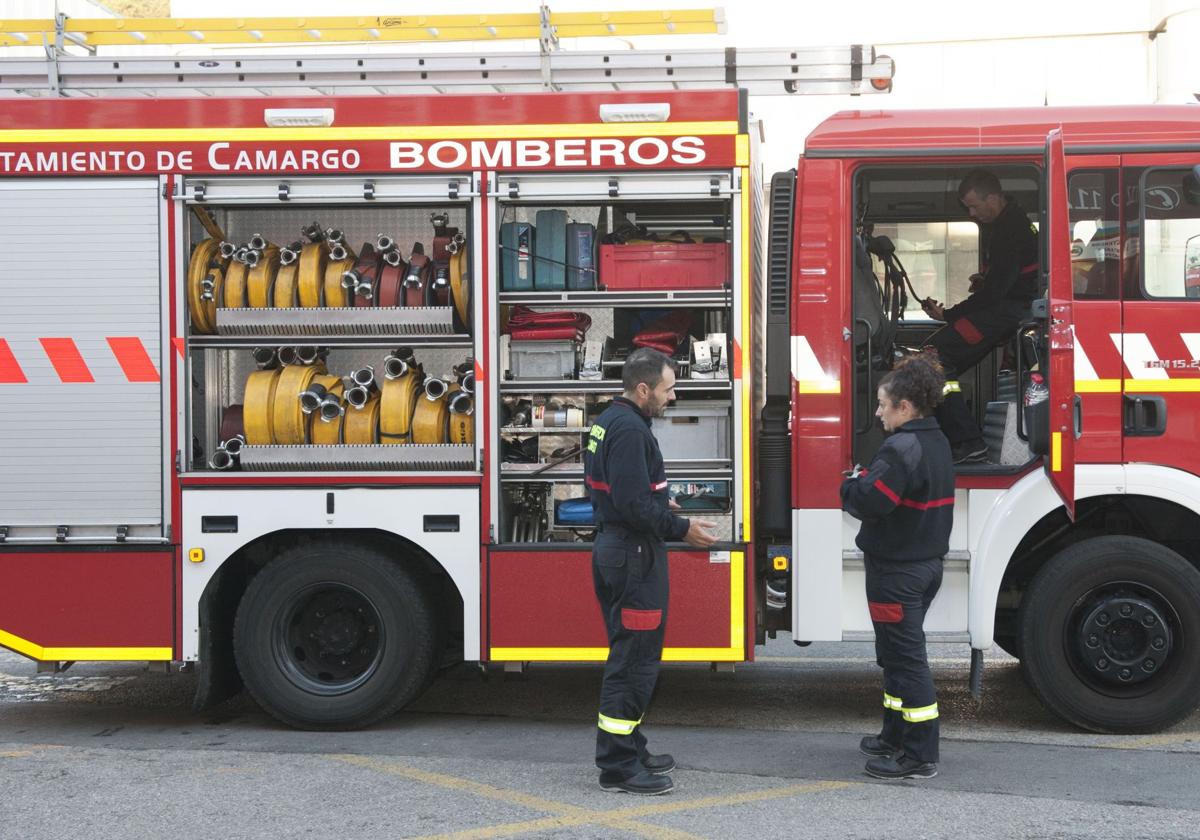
<point>1095,232</point>
<point>1170,244</point>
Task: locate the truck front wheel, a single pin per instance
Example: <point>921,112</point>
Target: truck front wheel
<point>332,636</point>
<point>1110,635</point>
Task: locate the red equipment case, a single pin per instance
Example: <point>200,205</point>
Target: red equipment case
<point>665,265</point>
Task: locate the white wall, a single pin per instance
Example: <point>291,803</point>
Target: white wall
<point>948,53</point>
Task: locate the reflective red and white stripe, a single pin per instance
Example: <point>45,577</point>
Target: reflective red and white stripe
<point>70,366</point>
<point>1146,368</point>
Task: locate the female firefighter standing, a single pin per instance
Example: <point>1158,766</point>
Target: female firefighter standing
<point>905,499</point>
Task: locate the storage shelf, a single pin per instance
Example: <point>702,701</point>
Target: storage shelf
<point>676,471</point>
<point>601,386</point>
<point>410,456</point>
<point>217,342</point>
<point>622,298</point>
<point>417,321</point>
<point>545,430</point>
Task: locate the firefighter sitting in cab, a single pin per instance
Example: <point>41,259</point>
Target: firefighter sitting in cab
<point>999,301</point>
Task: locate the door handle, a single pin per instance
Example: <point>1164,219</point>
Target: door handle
<point>1145,415</point>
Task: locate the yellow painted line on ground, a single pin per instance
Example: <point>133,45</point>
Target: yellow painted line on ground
<point>1155,741</point>
<point>623,818</point>
<point>16,753</point>
<point>565,815</point>
<point>676,805</point>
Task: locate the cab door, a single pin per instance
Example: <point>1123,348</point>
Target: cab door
<point>1094,202</point>
<point>1161,388</point>
<point>1065,411</point>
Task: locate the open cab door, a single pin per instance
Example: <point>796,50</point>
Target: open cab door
<point>1065,410</point>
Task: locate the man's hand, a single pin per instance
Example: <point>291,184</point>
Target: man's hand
<point>673,505</point>
<point>934,309</point>
<point>699,533</point>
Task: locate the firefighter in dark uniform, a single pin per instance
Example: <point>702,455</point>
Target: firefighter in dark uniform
<point>999,301</point>
<point>634,518</point>
<point>905,499</point>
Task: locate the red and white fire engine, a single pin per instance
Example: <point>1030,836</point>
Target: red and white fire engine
<point>248,423</point>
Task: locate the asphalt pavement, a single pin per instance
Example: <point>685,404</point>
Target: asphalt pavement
<point>112,750</point>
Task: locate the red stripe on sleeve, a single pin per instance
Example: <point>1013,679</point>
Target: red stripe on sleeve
<point>134,360</point>
<point>932,503</point>
<point>67,361</point>
<point>887,491</point>
<point>10,369</point>
<point>968,331</point>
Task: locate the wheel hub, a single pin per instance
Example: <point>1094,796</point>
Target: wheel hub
<point>329,642</point>
<point>1124,638</point>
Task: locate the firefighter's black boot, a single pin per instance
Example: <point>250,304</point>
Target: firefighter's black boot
<point>875,747</point>
<point>900,767</point>
<point>644,783</point>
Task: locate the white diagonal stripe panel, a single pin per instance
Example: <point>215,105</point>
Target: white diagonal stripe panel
<point>805,367</point>
<point>1137,350</point>
<point>1192,340</point>
<point>1084,371</point>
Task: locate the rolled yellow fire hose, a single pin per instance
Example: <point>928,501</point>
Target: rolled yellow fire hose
<point>460,286</point>
<point>234,296</point>
<point>284,293</point>
<point>335,293</point>
<point>201,262</point>
<point>327,431</point>
<point>259,405</point>
<point>362,424</point>
<point>397,402</point>
<point>261,278</point>
<point>460,426</point>
<point>430,418</point>
<point>289,423</point>
<point>311,278</point>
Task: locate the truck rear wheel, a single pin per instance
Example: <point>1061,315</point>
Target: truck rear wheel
<point>332,636</point>
<point>1110,635</point>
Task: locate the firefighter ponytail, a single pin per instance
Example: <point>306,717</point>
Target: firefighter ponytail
<point>918,379</point>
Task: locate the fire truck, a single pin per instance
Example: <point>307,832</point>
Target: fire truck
<point>299,402</point>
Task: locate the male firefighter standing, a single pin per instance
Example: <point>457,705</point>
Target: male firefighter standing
<point>628,488</point>
<point>905,499</point>
<point>998,303</point>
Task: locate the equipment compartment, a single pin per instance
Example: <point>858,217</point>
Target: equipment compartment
<point>304,368</point>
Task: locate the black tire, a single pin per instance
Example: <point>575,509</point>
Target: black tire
<point>332,636</point>
<point>1109,632</point>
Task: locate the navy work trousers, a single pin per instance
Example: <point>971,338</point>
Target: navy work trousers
<point>630,576</point>
<point>899,594</point>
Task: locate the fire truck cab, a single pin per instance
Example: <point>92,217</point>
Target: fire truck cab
<point>1075,547</point>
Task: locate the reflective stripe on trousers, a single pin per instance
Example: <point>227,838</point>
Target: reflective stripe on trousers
<point>920,714</point>
<point>617,726</point>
